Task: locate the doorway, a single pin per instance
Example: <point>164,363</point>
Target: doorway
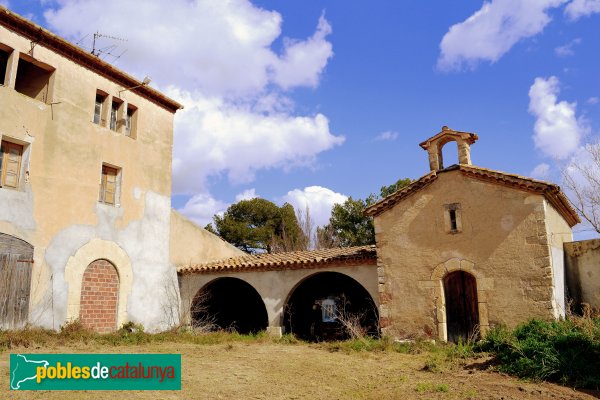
<point>462,311</point>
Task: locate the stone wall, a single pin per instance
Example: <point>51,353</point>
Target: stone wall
<point>502,242</point>
<point>583,272</point>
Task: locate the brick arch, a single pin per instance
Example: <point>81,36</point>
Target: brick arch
<point>483,284</point>
<point>98,249</point>
<point>99,297</point>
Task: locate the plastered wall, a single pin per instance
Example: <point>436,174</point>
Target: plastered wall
<point>583,272</point>
<point>56,207</point>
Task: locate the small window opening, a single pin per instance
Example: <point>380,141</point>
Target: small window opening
<point>328,310</point>
<point>453,226</point>
<point>99,107</point>
<point>131,121</point>
<point>109,185</point>
<point>33,79</point>
<point>3,65</point>
<point>11,155</point>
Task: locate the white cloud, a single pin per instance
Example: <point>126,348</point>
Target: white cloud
<point>541,171</point>
<point>216,58</point>
<point>213,136</point>
<point>593,100</point>
<point>318,199</point>
<point>582,8</point>
<point>387,136</point>
<point>567,49</point>
<point>201,208</point>
<point>303,61</point>
<point>4,3</point>
<point>557,132</point>
<point>247,194</point>
<point>218,47</point>
<point>492,31</point>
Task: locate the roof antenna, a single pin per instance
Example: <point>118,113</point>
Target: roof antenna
<point>99,35</point>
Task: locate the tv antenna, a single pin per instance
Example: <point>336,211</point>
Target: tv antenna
<point>108,50</point>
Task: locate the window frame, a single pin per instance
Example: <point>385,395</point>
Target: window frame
<point>5,158</point>
<point>453,218</point>
<point>104,184</point>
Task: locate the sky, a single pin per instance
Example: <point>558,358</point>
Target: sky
<point>310,102</point>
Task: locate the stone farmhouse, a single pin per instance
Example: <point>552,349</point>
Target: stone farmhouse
<point>86,226</point>
<point>87,231</point>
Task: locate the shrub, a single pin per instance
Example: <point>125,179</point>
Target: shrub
<point>565,351</point>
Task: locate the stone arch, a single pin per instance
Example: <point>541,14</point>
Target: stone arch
<point>483,284</point>
<point>435,144</point>
<point>99,297</point>
<point>229,303</point>
<point>98,249</point>
<point>306,305</point>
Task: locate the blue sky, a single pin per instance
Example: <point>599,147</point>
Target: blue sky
<point>309,102</point>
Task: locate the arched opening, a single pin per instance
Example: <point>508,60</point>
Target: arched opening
<point>99,297</point>
<point>16,258</point>
<point>330,306</point>
<point>229,304</point>
<point>448,153</point>
<point>462,311</point>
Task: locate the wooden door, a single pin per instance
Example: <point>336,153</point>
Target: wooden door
<point>16,260</point>
<point>15,280</point>
<point>462,311</point>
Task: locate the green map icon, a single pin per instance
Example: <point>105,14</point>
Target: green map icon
<point>23,369</point>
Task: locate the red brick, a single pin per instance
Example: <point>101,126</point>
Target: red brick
<point>99,294</point>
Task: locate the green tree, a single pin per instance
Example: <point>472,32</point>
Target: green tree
<point>258,225</point>
<point>348,226</point>
<point>400,183</point>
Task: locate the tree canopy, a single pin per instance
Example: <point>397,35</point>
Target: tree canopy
<point>258,225</point>
<point>348,226</point>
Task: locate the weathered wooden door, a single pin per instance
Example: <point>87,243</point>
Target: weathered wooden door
<point>462,311</point>
<point>15,281</point>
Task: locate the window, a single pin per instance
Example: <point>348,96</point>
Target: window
<point>4,54</point>
<point>452,218</point>
<point>328,310</point>
<point>11,155</point>
<point>109,185</point>
<point>99,117</point>
<point>34,79</point>
<point>131,121</point>
<point>114,111</point>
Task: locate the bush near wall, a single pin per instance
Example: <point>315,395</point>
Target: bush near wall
<point>565,351</point>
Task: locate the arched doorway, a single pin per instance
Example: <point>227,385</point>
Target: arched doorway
<point>229,304</point>
<point>16,258</point>
<point>328,306</point>
<point>99,297</point>
<point>462,311</point>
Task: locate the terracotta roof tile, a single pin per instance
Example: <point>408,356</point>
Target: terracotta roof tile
<point>290,260</point>
<point>550,191</point>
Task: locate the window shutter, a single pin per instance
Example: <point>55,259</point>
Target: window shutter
<point>12,165</point>
<point>108,186</point>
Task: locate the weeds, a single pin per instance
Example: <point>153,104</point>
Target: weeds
<point>565,351</point>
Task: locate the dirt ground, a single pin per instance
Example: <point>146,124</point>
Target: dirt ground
<point>302,371</point>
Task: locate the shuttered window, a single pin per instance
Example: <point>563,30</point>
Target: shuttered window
<point>11,155</point>
<point>108,185</point>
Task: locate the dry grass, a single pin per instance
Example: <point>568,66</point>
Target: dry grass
<point>226,366</point>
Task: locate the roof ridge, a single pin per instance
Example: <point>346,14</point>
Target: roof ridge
<point>550,191</point>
